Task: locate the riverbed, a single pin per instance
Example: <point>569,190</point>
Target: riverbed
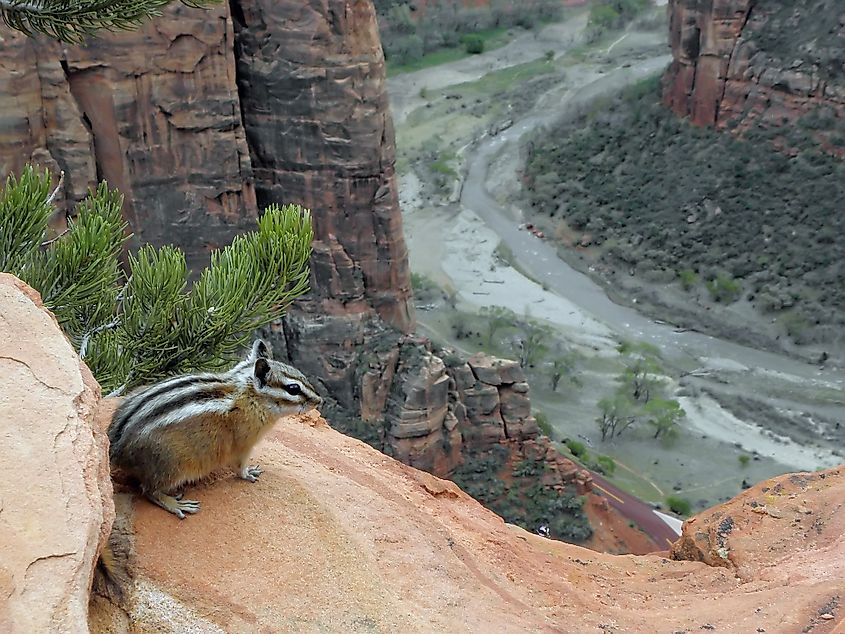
<point>453,240</point>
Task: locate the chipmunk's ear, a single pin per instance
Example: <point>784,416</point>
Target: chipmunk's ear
<point>261,371</point>
<point>260,350</point>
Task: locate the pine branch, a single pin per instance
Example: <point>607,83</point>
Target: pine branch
<point>24,214</point>
<point>71,21</point>
<point>149,327</point>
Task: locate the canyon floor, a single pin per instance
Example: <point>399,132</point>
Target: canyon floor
<point>459,128</point>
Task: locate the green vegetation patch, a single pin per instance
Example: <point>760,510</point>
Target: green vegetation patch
<point>663,197</point>
<point>516,493</point>
<point>445,32</point>
<point>606,15</point>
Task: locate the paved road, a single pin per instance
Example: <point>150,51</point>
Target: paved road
<point>638,512</point>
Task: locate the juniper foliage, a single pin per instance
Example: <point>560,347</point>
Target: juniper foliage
<point>71,21</point>
<point>143,327</point>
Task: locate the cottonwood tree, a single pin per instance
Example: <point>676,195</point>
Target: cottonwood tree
<point>143,324</point>
<point>617,413</point>
<point>532,342</point>
<point>71,21</point>
<point>562,365</point>
<point>498,317</point>
<point>642,364</point>
<point>664,415</point>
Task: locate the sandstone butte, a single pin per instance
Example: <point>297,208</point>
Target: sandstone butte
<point>338,537</point>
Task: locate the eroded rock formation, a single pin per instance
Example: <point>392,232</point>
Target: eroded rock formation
<point>189,121</point>
<point>738,63</point>
<point>56,505</point>
<point>336,536</point>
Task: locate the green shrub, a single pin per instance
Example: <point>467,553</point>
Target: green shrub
<point>688,279</point>
<point>576,448</point>
<point>145,326</point>
<point>605,465</point>
<point>544,424</point>
<point>473,44</point>
<point>678,505</point>
<point>604,16</point>
<point>724,289</point>
<point>744,459</point>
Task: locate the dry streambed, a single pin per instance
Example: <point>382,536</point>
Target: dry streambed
<point>453,234</point>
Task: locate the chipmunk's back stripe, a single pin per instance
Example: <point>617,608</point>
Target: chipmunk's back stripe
<point>137,401</point>
<point>188,403</point>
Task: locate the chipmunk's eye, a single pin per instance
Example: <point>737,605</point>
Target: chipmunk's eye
<point>293,388</point>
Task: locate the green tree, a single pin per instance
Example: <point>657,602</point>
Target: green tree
<point>564,364</point>
<point>532,342</point>
<point>497,317</point>
<point>605,465</point>
<point>616,414</point>
<point>725,289</point>
<point>473,44</point>
<point>71,21</point>
<point>642,364</point>
<point>664,415</point>
<point>144,326</point>
<point>688,279</point>
<point>678,505</point>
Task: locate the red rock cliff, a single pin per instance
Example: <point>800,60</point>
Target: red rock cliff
<point>742,62</point>
<point>165,114</point>
<point>155,112</point>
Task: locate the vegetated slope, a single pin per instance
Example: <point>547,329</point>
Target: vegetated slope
<point>809,32</point>
<point>514,490</point>
<point>680,202</point>
<point>411,29</point>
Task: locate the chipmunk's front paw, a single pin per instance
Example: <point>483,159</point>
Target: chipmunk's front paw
<point>175,505</point>
<point>251,473</point>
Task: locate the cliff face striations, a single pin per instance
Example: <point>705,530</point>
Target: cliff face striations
<point>314,102</point>
<point>155,112</point>
<point>738,63</point>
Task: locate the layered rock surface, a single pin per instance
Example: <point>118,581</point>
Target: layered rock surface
<point>189,120</point>
<point>56,505</point>
<point>338,537</point>
<point>154,112</point>
<point>738,63</point>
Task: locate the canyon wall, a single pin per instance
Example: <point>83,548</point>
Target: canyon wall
<point>746,63</point>
<point>201,119</point>
<point>155,112</point>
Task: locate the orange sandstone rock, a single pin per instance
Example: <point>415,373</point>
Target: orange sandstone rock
<point>337,537</point>
<point>56,504</point>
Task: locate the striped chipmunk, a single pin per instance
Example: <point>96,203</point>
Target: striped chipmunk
<point>179,430</point>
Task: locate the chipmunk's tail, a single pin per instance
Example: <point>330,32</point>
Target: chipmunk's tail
<point>109,578</point>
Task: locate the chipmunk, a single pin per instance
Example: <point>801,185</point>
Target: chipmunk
<point>179,430</point>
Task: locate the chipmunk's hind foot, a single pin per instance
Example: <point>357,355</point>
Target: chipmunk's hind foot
<point>175,505</point>
<point>250,473</point>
